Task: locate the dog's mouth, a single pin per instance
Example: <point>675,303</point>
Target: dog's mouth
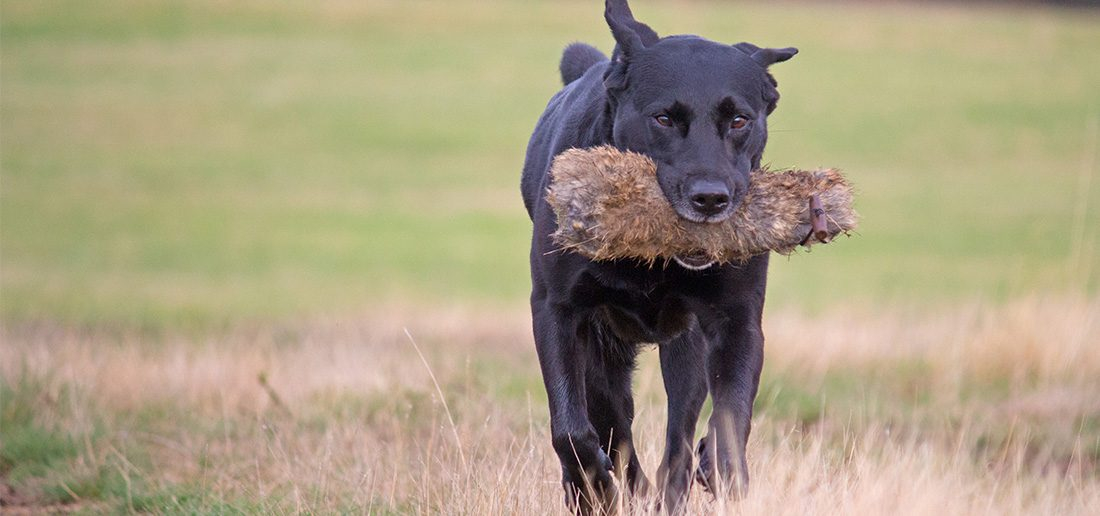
<point>694,262</point>
<point>698,218</point>
<point>689,214</point>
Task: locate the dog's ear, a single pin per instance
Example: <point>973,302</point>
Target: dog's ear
<point>766,56</point>
<point>631,36</point>
<point>770,56</point>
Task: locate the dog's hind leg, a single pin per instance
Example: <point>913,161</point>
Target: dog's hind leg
<point>611,408</point>
<point>683,370</point>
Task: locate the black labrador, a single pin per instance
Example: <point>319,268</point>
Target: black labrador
<point>699,110</point>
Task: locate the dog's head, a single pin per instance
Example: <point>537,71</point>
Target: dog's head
<point>696,107</point>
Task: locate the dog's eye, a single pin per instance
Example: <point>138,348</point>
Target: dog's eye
<point>664,120</point>
<point>739,122</point>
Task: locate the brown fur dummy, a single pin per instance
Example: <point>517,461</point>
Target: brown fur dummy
<point>609,207</point>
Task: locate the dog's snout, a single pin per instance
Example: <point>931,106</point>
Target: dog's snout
<point>709,197</point>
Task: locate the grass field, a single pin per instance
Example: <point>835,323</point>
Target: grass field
<point>218,219</point>
<point>960,412</point>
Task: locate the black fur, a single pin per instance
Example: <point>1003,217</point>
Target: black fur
<point>590,318</point>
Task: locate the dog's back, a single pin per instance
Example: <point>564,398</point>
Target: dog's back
<point>570,119</point>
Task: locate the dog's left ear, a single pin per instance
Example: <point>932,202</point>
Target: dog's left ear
<point>766,56</point>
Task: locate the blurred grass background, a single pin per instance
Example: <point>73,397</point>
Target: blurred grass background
<point>290,192</point>
<point>191,165</point>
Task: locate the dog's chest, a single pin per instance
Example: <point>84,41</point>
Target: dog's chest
<point>645,321</point>
<point>636,305</point>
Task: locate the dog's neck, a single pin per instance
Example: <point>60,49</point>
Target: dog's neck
<point>604,128</point>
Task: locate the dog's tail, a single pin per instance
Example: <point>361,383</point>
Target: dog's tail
<point>576,59</point>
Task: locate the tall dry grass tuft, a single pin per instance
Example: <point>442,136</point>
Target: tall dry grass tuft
<point>1038,339</point>
<point>980,409</point>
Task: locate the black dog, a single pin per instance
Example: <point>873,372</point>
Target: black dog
<point>698,109</point>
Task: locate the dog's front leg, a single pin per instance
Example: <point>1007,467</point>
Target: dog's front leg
<point>733,374</point>
<point>585,466</point>
<point>684,374</point>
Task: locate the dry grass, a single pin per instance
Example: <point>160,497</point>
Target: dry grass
<point>974,410</point>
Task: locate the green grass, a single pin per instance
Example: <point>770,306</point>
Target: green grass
<point>41,444</point>
<point>196,164</point>
<point>29,447</point>
<point>50,456</point>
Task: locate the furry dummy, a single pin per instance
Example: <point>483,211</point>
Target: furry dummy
<point>609,207</point>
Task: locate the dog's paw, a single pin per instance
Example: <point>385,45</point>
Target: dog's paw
<point>704,472</point>
<point>719,473</point>
<point>594,493</point>
<point>586,474</point>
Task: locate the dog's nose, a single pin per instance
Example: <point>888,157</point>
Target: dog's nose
<point>709,197</point>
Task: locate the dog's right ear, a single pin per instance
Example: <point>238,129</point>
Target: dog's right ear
<point>631,36</point>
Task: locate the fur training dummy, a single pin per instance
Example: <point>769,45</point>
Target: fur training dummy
<point>609,207</point>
